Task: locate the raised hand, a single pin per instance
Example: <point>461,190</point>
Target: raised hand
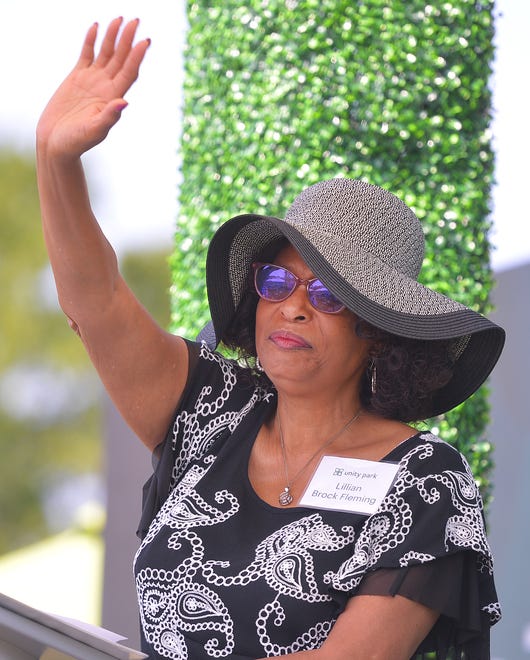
<point>90,100</point>
<point>143,367</point>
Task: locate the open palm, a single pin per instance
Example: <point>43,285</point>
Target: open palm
<point>90,100</point>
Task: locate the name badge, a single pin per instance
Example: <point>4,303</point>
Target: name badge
<point>349,484</point>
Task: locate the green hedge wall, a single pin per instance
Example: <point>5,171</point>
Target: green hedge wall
<point>280,95</point>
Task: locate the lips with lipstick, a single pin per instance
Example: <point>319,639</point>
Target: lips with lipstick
<point>285,339</point>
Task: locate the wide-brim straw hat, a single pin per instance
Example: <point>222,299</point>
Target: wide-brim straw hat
<point>367,246</point>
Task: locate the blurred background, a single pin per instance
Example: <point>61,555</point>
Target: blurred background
<point>70,498</point>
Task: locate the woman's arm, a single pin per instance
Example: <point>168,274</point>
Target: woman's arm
<point>143,367</point>
<point>375,628</point>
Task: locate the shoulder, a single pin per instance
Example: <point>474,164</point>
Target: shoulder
<point>426,452</point>
<point>435,482</point>
<point>207,365</point>
<point>217,382</point>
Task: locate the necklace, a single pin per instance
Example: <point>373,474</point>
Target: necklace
<point>286,497</point>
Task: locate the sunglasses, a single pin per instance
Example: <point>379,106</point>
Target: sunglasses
<point>275,284</point>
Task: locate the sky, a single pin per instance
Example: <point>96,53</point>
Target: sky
<point>133,175</point>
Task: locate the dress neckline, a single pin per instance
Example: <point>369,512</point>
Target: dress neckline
<point>249,433</point>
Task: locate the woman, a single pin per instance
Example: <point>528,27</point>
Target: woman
<point>251,546</point>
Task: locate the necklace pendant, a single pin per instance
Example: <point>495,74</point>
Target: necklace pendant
<point>285,497</point>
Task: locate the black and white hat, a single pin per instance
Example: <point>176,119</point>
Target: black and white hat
<point>367,247</point>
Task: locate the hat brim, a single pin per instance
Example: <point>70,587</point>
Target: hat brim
<point>417,312</point>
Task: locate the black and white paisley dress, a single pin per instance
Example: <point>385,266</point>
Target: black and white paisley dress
<point>222,574</point>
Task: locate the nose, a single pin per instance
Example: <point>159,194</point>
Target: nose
<point>297,306</point>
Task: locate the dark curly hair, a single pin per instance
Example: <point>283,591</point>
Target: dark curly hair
<point>408,371</point>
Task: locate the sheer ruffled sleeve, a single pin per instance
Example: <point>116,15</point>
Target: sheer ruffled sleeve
<point>215,400</point>
<point>157,487</point>
<point>427,542</point>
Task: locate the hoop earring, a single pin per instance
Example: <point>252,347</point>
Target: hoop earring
<point>258,365</point>
<point>373,377</point>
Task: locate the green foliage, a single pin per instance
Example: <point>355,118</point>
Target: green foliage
<point>282,94</point>
<point>50,427</point>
